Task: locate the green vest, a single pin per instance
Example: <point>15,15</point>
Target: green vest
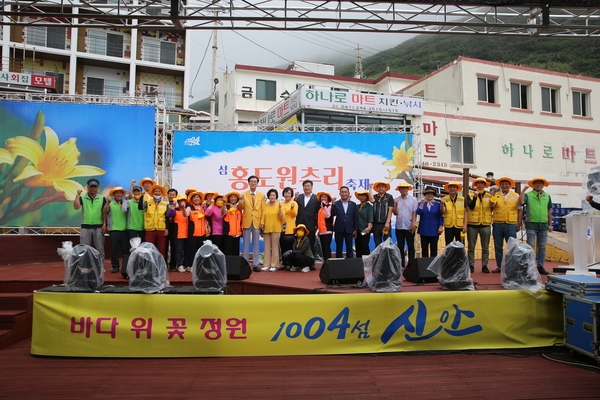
<point>537,207</point>
<point>135,217</point>
<point>116,219</point>
<point>92,211</point>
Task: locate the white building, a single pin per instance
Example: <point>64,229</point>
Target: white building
<point>512,120</point>
<point>248,91</point>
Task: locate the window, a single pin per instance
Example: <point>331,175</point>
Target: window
<point>266,90</point>
<point>160,51</point>
<point>486,90</point>
<point>581,103</point>
<point>550,100</point>
<point>95,86</point>
<point>104,43</point>
<point>519,95</point>
<point>462,149</point>
<point>52,36</point>
<point>337,89</point>
<point>59,81</point>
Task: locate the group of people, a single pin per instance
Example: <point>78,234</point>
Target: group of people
<point>291,227</point>
<point>487,212</point>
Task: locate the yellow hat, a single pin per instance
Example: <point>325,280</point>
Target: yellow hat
<point>507,179</point>
<point>210,192</point>
<point>180,197</point>
<point>404,185</point>
<point>359,192</point>
<point>192,194</point>
<point>538,178</point>
<point>487,184</point>
<point>163,191</point>
<point>324,193</point>
<point>453,183</point>
<point>301,226</point>
<point>147,180</point>
<point>116,189</point>
<point>387,185</point>
<point>190,190</point>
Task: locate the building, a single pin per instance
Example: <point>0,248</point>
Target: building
<point>248,91</point>
<point>512,120</point>
<point>119,61</point>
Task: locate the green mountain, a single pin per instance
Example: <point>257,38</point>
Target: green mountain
<point>424,54</point>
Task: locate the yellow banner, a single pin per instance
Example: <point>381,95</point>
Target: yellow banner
<point>179,325</point>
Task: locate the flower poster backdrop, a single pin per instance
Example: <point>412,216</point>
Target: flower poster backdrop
<point>222,161</point>
<point>48,151</point>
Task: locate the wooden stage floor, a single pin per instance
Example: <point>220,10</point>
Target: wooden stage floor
<point>549,373</point>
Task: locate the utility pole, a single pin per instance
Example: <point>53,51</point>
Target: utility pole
<point>358,68</point>
<point>214,80</point>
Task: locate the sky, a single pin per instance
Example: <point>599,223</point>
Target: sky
<point>277,49</point>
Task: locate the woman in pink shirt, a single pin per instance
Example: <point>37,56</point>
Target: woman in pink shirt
<point>215,213</point>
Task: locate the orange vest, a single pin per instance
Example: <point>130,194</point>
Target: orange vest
<point>198,221</point>
<point>182,224</point>
<point>234,217</point>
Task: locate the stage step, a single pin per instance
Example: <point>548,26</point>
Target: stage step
<point>16,312</point>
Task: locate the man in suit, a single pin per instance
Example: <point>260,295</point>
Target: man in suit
<point>346,223</point>
<point>252,205</point>
<point>308,208</point>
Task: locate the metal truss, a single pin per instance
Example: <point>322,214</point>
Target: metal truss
<point>574,18</point>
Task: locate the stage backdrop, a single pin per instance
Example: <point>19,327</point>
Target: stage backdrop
<point>48,151</point>
<point>179,325</point>
<point>223,161</point>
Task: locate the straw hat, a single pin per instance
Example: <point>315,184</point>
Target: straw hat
<point>210,192</point>
<point>180,197</point>
<point>301,226</point>
<point>376,184</point>
<point>116,189</point>
<point>429,189</point>
<point>192,194</point>
<point>163,191</point>
<point>453,183</point>
<point>190,190</point>
<point>538,178</point>
<point>359,192</point>
<point>404,185</point>
<point>474,183</point>
<point>507,179</point>
<point>147,180</point>
<point>324,193</point>
<point>239,196</point>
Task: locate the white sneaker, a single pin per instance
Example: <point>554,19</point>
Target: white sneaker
<point>293,269</point>
<point>188,269</point>
<point>305,269</point>
<point>264,269</point>
<point>272,269</point>
<point>180,268</point>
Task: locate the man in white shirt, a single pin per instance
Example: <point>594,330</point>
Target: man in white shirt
<point>405,210</point>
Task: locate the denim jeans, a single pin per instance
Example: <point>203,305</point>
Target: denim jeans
<point>501,233</point>
<point>542,239</point>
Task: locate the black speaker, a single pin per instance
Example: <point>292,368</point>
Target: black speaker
<point>416,271</point>
<point>237,268</point>
<point>336,271</point>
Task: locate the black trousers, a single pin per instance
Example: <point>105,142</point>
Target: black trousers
<point>362,245</point>
<point>326,245</point>
<point>340,239</point>
<point>377,232</point>
<point>194,243</point>
<point>429,245</point>
<point>452,235</point>
<point>404,235</point>
<point>231,245</point>
<point>119,241</point>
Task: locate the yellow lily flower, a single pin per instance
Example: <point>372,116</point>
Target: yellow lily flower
<point>402,160</point>
<point>6,157</point>
<point>52,166</point>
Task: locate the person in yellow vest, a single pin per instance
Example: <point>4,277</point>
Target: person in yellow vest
<point>252,206</point>
<point>539,218</point>
<point>155,218</point>
<point>146,183</point>
<point>506,217</point>
<point>454,211</point>
<point>479,220</point>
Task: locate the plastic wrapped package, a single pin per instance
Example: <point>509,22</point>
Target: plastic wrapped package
<point>452,268</point>
<point>519,269</point>
<point>83,269</point>
<point>146,268</point>
<point>209,270</point>
<point>383,268</point>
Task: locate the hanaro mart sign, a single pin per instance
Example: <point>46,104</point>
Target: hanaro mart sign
<point>347,101</point>
<point>179,325</point>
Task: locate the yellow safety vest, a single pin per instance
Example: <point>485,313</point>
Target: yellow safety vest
<point>482,213</point>
<point>506,211</point>
<point>154,217</point>
<point>454,216</point>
